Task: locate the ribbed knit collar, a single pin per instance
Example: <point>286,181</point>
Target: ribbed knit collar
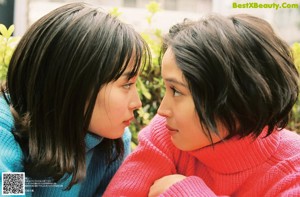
<point>92,140</point>
<point>236,155</point>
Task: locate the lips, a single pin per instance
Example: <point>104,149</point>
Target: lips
<point>171,129</point>
<point>127,122</point>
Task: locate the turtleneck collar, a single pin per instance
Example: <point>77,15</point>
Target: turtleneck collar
<point>237,154</point>
<point>92,140</point>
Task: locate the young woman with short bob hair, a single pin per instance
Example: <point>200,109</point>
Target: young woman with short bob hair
<point>69,97</point>
<point>220,130</point>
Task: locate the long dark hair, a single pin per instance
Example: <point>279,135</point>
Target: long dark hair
<point>239,72</point>
<point>53,79</point>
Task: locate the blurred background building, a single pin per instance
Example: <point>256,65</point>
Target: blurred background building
<point>285,21</point>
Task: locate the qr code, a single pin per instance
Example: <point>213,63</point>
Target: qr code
<point>13,183</point>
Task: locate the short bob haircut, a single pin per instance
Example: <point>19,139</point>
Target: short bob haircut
<point>53,80</point>
<point>239,72</point>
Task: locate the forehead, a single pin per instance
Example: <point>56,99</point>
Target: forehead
<point>131,68</point>
<point>168,56</point>
<point>169,67</point>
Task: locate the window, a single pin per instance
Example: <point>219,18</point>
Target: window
<point>129,3</point>
<point>170,4</point>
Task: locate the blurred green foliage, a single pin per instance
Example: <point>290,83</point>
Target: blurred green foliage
<point>294,123</point>
<point>7,46</point>
<point>296,54</point>
<point>150,84</point>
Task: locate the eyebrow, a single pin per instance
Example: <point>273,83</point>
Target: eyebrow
<point>172,80</point>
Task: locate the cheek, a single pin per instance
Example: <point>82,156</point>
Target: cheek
<point>185,112</point>
<point>97,118</point>
<point>117,104</point>
<point>193,136</point>
<point>100,111</point>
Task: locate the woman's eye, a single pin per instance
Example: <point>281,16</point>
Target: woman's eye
<point>175,92</point>
<point>127,85</point>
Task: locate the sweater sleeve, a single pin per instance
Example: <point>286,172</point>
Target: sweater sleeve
<point>11,156</point>
<point>285,181</point>
<point>151,160</point>
<point>288,186</point>
<point>191,186</point>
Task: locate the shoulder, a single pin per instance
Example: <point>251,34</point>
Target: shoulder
<point>287,156</point>
<point>292,136</point>
<point>284,166</point>
<point>11,155</point>
<point>289,142</point>
<point>6,119</point>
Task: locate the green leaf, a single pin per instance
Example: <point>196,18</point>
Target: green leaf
<point>153,7</point>
<point>13,40</point>
<point>6,33</point>
<point>115,12</point>
<point>296,54</point>
<point>3,30</point>
<point>143,89</point>
<point>149,19</point>
<point>10,31</point>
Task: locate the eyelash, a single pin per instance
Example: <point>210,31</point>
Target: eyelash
<point>175,91</point>
<point>127,85</point>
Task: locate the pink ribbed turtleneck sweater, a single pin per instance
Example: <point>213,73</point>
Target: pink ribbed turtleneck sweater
<point>237,167</point>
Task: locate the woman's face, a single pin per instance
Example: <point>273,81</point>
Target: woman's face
<point>115,103</point>
<point>178,108</point>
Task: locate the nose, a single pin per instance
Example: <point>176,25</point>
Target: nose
<point>164,109</point>
<point>136,102</point>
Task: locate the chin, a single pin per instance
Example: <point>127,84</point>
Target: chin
<point>182,147</point>
<point>115,137</point>
<point>116,134</point>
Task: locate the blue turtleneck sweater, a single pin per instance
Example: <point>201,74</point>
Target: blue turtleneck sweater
<point>99,173</point>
